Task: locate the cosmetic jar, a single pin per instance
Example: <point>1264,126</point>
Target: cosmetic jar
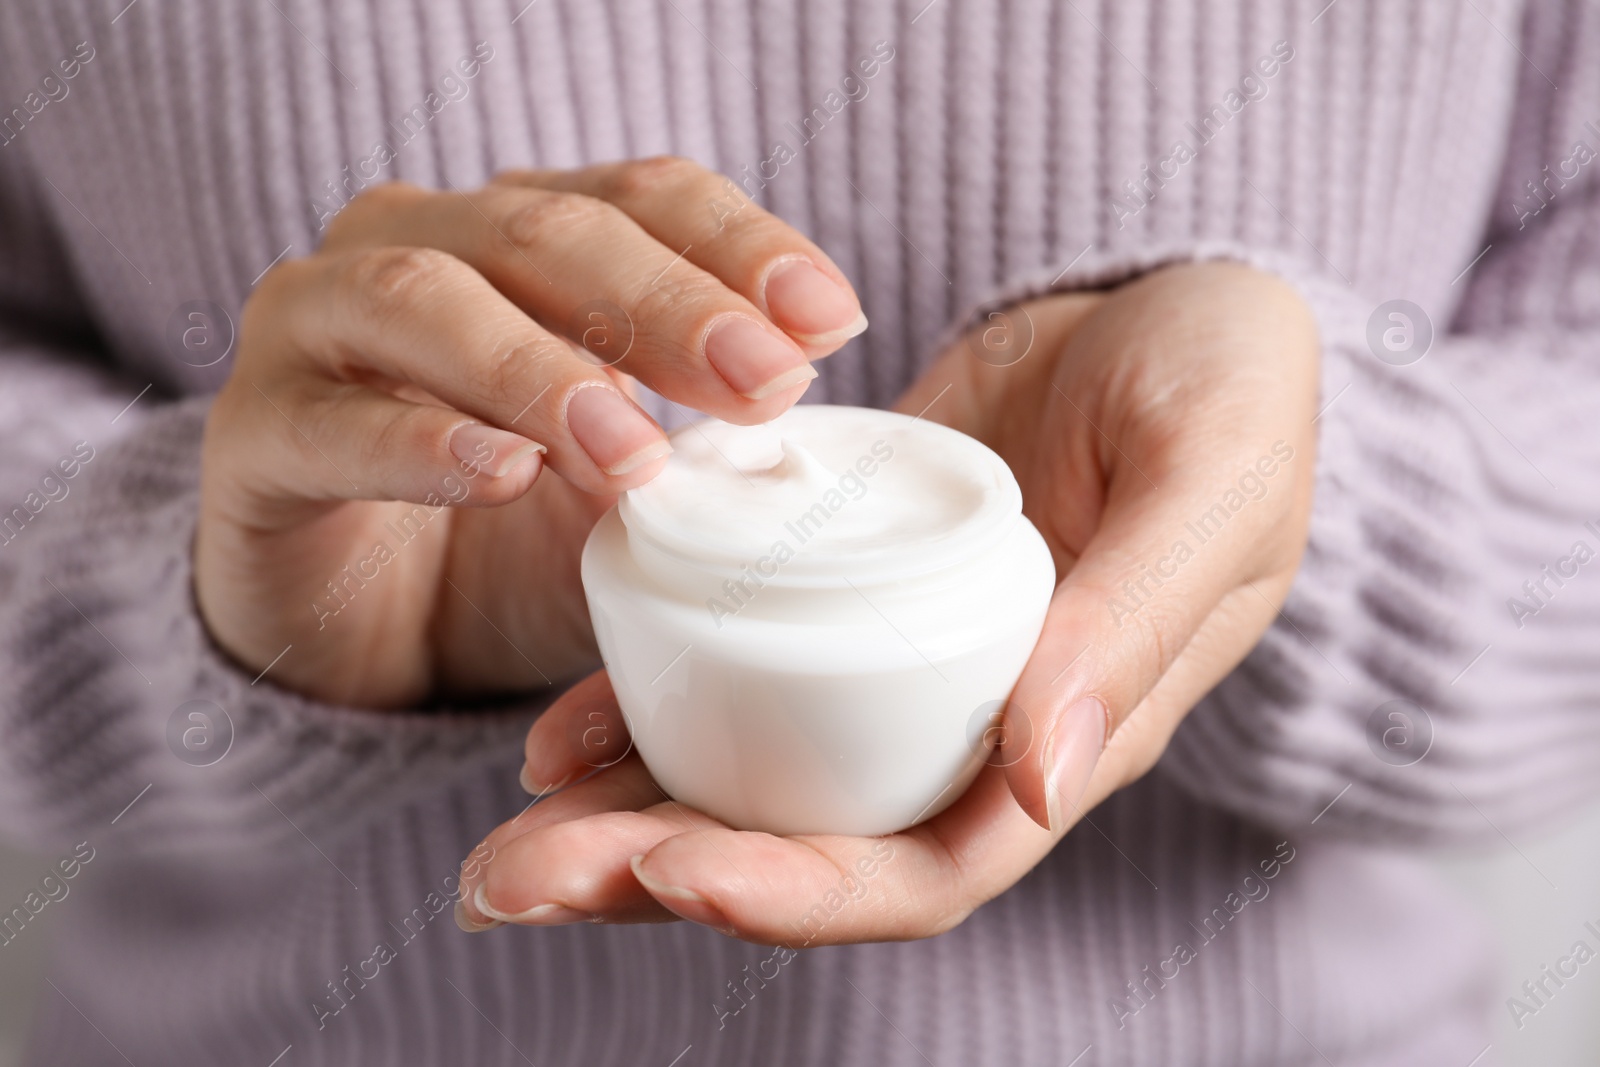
<point>810,625</point>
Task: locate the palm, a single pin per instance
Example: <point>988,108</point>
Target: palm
<point>512,614</point>
<point>383,604</point>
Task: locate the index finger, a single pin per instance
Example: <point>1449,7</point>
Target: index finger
<point>708,218</point>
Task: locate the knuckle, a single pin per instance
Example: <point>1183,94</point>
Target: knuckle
<point>313,421</point>
<point>513,176</point>
<point>390,194</point>
<point>559,835</point>
<point>537,215</point>
<point>1154,632</point>
<point>1152,628</point>
<point>385,278</point>
<point>681,295</point>
<point>1158,635</point>
<point>278,287</point>
<point>371,204</point>
<point>647,177</point>
<point>411,434</point>
<point>742,224</point>
<point>511,368</point>
<point>572,838</point>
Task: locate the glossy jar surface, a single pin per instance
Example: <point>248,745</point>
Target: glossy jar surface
<point>810,625</point>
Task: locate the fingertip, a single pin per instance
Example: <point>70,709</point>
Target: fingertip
<point>494,491</point>
<point>495,466</point>
<point>466,920</point>
<point>1026,781</point>
<point>1077,738</point>
<point>538,789</point>
<point>770,407</point>
<point>538,786</point>
<point>640,467</point>
<point>798,378</point>
<point>467,915</point>
<point>827,343</point>
<point>806,300</point>
<point>1018,754</point>
<point>491,451</point>
<point>624,444</point>
<point>680,900</point>
<point>754,360</point>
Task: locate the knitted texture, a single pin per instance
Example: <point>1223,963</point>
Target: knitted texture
<point>999,152</point>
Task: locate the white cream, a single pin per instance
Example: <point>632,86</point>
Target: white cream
<point>808,623</point>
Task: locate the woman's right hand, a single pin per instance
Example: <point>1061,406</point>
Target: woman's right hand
<point>442,349</point>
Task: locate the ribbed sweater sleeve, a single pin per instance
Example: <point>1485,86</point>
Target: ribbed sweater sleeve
<point>1433,674</point>
<point>101,646</point>
<point>107,660</point>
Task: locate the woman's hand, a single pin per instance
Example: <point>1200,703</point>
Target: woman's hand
<point>1162,436</point>
<point>371,490</point>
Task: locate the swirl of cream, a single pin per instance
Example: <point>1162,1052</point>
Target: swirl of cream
<point>848,492</point>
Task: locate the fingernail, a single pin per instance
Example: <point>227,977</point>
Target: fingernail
<point>538,915</point>
<point>1070,754</point>
<point>465,920</point>
<point>753,362</point>
<point>834,338</point>
<point>533,788</point>
<point>803,299</point>
<point>616,435</point>
<point>685,902</point>
<point>494,452</point>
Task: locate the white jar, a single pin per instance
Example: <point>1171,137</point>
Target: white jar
<point>810,624</point>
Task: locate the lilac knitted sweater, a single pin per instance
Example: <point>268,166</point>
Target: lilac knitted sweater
<point>288,900</point>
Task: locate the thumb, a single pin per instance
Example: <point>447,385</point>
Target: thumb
<point>1157,566</point>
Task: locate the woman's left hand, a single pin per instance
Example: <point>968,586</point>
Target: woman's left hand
<point>1162,435</point>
